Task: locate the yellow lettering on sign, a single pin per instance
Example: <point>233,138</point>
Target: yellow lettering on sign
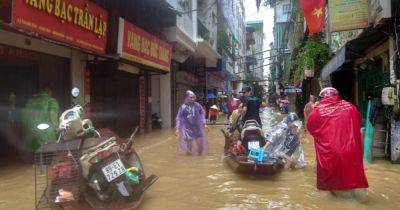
<point>76,14</point>
<point>164,54</point>
<point>33,3</point>
<point>91,22</point>
<point>80,20</point>
<point>69,13</point>
<point>154,50</point>
<point>86,19</point>
<point>136,42</point>
<point>145,46</point>
<point>42,5</point>
<point>49,6</point>
<point>97,26</point>
<point>57,10</point>
<point>63,14</point>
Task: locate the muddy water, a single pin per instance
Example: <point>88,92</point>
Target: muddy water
<point>208,183</point>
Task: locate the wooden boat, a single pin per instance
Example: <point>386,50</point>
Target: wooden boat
<point>240,164</point>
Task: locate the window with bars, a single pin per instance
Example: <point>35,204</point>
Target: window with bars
<point>286,8</point>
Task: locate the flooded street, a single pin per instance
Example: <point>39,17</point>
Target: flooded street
<point>208,183</point>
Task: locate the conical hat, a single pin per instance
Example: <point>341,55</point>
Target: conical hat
<point>214,107</point>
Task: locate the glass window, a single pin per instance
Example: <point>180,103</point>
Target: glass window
<point>286,8</point>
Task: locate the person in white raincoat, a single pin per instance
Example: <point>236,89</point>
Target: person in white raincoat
<point>285,141</point>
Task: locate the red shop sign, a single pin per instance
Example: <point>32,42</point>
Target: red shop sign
<point>137,45</point>
<point>80,23</point>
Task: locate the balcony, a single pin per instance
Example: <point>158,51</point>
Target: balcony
<point>203,32</point>
<point>205,45</point>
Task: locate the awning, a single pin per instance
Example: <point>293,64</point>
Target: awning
<point>354,49</point>
<point>334,64</point>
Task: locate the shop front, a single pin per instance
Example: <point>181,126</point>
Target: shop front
<point>24,73</point>
<point>121,89</point>
<point>41,46</point>
<point>360,71</point>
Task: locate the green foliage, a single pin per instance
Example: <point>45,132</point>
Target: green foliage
<point>313,56</point>
<point>223,40</point>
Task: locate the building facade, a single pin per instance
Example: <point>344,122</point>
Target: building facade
<point>254,51</point>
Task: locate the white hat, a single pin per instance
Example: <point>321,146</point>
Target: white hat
<point>214,107</point>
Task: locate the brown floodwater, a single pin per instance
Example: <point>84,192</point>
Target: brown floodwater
<point>206,182</point>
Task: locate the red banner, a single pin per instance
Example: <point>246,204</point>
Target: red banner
<point>139,46</point>
<point>77,22</point>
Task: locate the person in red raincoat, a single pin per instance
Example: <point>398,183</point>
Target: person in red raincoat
<point>335,125</point>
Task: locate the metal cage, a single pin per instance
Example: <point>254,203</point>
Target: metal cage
<point>57,174</point>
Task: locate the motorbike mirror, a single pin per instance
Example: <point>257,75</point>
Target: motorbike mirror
<point>75,92</point>
<point>43,126</point>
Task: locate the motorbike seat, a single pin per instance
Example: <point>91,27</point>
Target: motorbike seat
<point>93,143</point>
<point>251,128</point>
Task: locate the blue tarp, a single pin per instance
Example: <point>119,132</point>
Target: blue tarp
<point>210,96</point>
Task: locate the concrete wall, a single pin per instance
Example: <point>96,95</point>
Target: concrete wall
<point>187,22</point>
<point>78,65</point>
<point>155,94</point>
<point>165,100</point>
<point>208,16</point>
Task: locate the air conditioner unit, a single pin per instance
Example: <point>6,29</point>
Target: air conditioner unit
<point>388,96</point>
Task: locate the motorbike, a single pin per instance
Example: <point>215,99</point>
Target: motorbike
<point>250,157</point>
<point>156,121</point>
<point>96,165</point>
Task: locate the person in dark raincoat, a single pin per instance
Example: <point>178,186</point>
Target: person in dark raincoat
<point>335,125</point>
<point>190,126</point>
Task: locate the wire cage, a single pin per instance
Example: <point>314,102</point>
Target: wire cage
<point>57,174</point>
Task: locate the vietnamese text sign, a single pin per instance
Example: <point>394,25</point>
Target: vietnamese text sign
<point>137,45</point>
<point>348,14</point>
<point>77,22</point>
